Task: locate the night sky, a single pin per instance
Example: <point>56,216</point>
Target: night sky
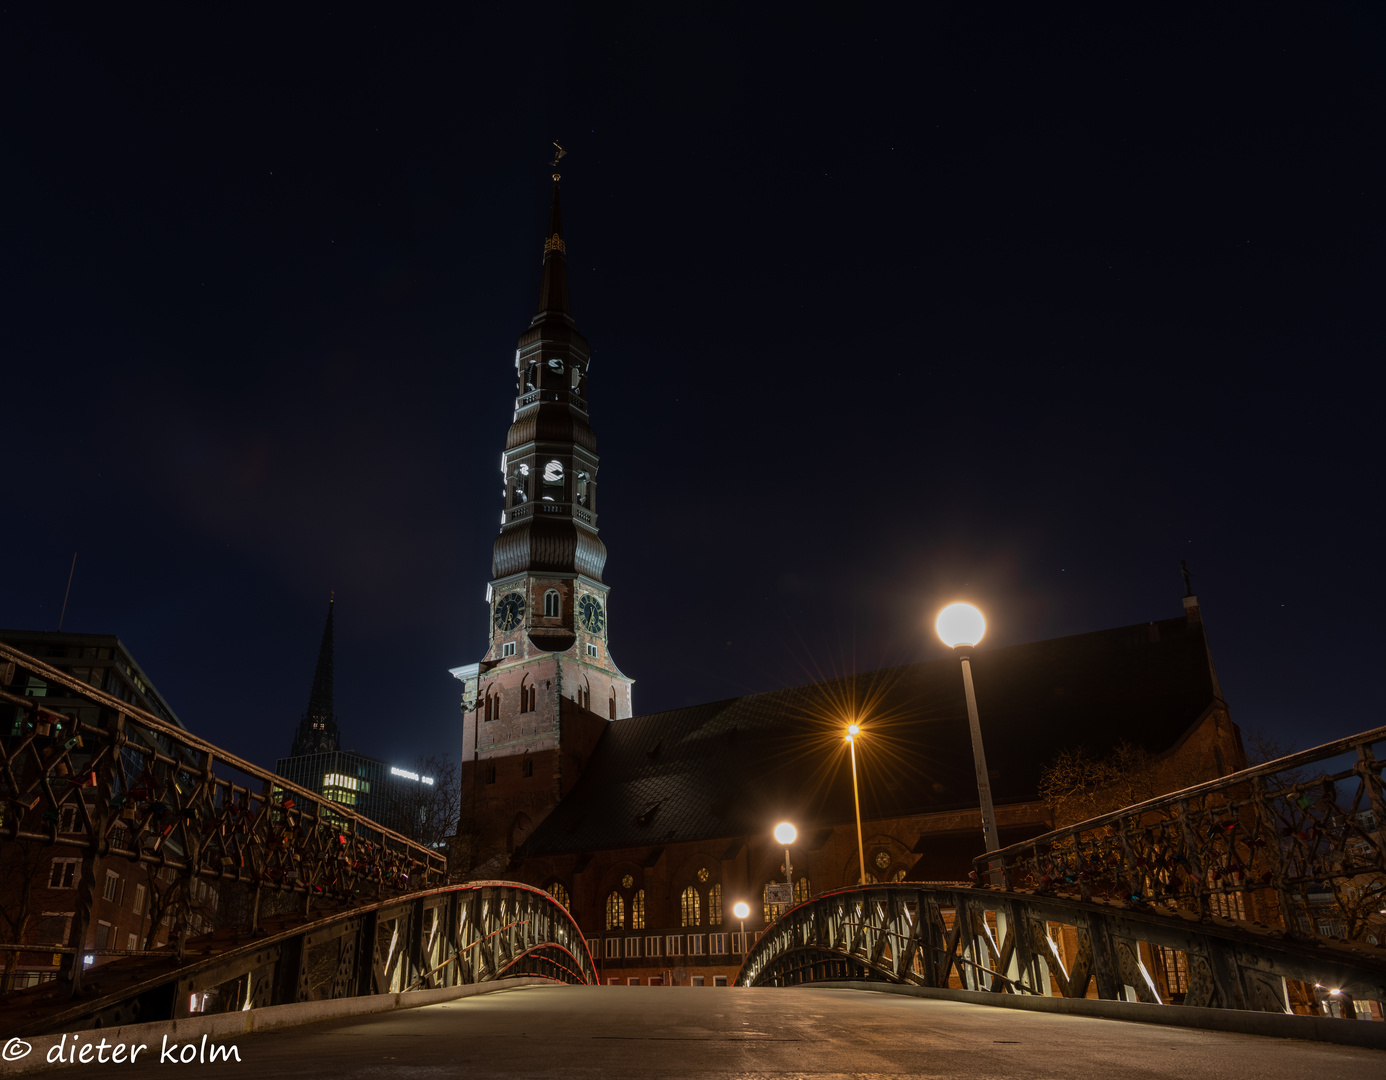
<point>890,307</point>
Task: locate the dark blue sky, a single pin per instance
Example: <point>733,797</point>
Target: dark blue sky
<point>888,308</point>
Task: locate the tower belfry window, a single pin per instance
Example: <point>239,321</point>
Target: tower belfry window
<point>553,481</point>
<point>553,604</point>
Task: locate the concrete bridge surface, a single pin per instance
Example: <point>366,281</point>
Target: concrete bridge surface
<point>748,1034</point>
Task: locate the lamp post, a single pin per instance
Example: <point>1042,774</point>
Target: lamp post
<point>853,730</point>
<point>785,834</point>
<point>961,626</point>
<point>741,909</point>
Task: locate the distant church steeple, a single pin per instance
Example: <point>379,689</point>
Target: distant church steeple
<point>317,731</point>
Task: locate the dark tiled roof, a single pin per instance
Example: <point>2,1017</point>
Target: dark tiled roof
<point>727,768</point>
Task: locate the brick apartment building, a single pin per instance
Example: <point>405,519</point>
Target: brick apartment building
<point>38,890</point>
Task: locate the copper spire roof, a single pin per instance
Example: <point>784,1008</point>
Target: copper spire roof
<point>317,730</point>
<point>553,288</point>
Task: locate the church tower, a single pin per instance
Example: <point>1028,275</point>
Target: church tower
<point>538,701</point>
<point>317,730</point>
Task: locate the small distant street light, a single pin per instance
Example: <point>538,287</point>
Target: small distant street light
<point>741,909</point>
<point>786,834</point>
<point>961,626</point>
<point>853,730</point>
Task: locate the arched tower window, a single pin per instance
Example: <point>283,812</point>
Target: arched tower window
<point>553,481</point>
<point>553,604</point>
<point>559,893</point>
<point>637,911</point>
<point>691,905</point>
<point>531,695</point>
<point>612,703</point>
<point>524,693</point>
<point>615,911</point>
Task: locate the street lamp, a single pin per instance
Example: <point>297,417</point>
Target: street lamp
<point>741,909</point>
<point>961,626</point>
<point>853,730</point>
<point>785,834</point>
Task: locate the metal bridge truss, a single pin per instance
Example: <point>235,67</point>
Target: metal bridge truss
<point>1298,843</point>
<point>1010,942</point>
<point>451,936</point>
<point>134,786</point>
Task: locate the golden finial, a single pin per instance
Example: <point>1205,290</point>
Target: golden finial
<point>556,159</point>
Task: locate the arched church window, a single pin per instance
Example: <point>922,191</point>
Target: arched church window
<point>802,890</point>
<point>714,905</point>
<point>553,604</point>
<point>769,910</point>
<point>532,695</point>
<point>899,875</point>
<point>691,905</point>
<point>637,911</point>
<point>553,481</point>
<point>615,911</point>
<point>559,893</point>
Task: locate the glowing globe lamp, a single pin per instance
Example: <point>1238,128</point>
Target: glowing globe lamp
<point>785,833</point>
<point>741,910</point>
<point>960,624</point>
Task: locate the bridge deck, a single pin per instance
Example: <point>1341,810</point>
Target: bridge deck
<point>617,1032</point>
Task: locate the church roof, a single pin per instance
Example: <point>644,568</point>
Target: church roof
<point>732,768</point>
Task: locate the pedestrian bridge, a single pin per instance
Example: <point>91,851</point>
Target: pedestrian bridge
<point>1205,898</point>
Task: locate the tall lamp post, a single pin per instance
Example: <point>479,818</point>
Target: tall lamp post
<point>741,910</point>
<point>786,834</point>
<point>852,732</point>
<point>961,626</point>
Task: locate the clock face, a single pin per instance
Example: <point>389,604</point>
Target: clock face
<point>591,615</point>
<point>510,611</point>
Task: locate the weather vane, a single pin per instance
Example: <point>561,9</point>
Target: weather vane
<point>556,159</point>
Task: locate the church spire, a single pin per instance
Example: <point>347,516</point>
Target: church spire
<point>317,730</point>
<point>553,288</point>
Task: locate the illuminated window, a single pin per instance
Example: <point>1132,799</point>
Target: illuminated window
<point>553,604</point>
<point>637,911</point>
<point>627,882</point>
<point>692,907</point>
<point>714,905</point>
<point>553,482</point>
<point>703,873</point>
<point>802,889</point>
<point>882,860</point>
<point>615,912</point>
<point>559,893</point>
<point>899,875</point>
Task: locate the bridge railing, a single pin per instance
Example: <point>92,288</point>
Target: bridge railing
<point>134,786</point>
<point>438,938</point>
<point>964,938</point>
<point>1296,842</point>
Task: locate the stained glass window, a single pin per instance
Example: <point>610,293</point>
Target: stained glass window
<point>615,911</point>
<point>691,905</point>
